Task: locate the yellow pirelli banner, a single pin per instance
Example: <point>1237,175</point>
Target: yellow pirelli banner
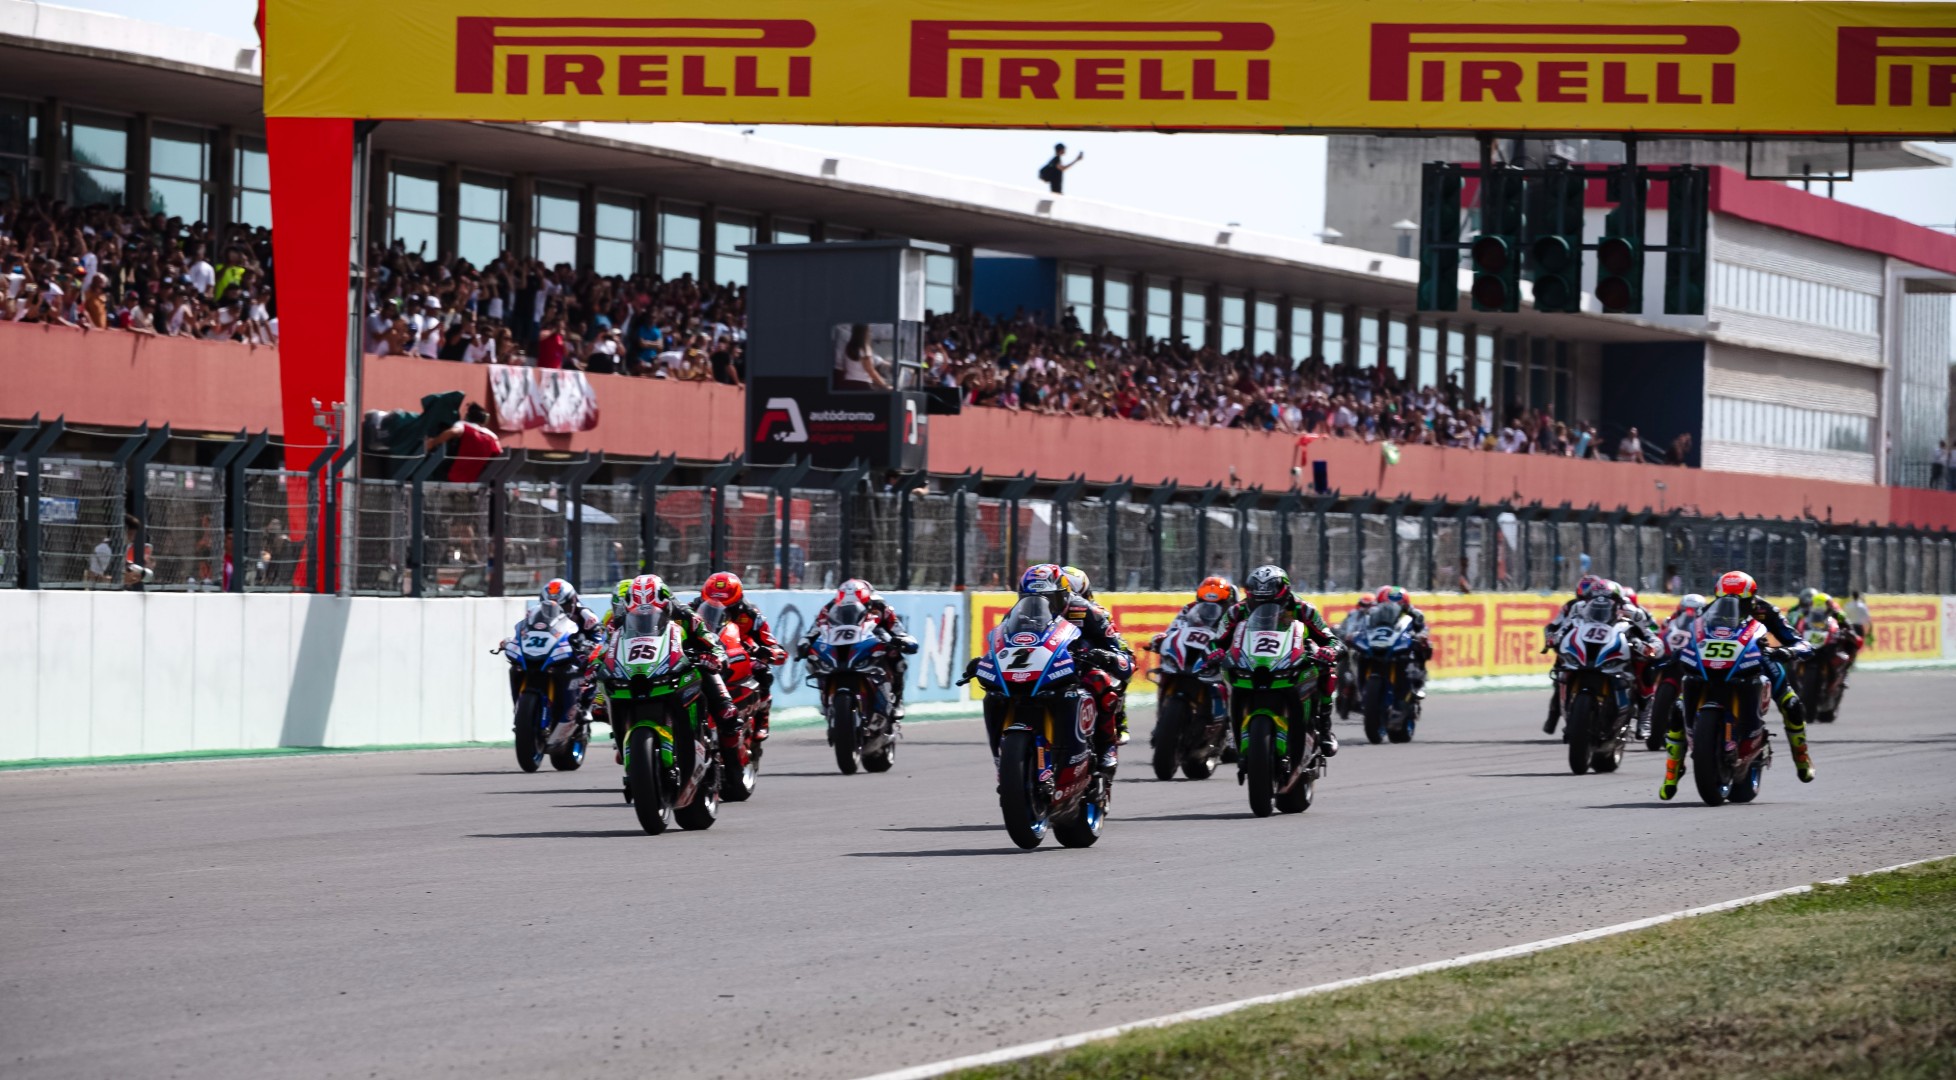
<point>1715,66</point>
<point>1486,634</point>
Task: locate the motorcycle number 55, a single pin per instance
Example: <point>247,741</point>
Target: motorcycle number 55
<point>1719,650</point>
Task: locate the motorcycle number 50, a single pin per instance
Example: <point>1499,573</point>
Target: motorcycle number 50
<point>1720,650</point>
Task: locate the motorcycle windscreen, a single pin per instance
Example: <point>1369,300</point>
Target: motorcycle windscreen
<point>713,615</point>
<point>1205,615</point>
<point>1267,617</point>
<point>1386,614</point>
<point>546,614</point>
<point>1031,615</point>
<point>846,614</point>
<point>1598,609</point>
<point>646,620</point>
<point>1728,613</point>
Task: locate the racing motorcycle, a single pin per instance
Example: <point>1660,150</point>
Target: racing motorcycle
<point>543,662</point>
<point>1382,660</point>
<point>740,745</point>
<point>1823,675</point>
<point>1277,753</point>
<point>846,665</point>
<point>1727,690</point>
<point>1192,707</point>
<point>1046,780</point>
<point>655,695</point>
<point>1597,686</point>
<point>1663,710</point>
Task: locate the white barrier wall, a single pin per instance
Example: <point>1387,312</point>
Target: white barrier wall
<point>105,674</point>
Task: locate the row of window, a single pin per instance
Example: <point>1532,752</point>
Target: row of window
<point>1425,351</point>
<point>98,151</point>
<point>1761,423</point>
<point>1780,296</point>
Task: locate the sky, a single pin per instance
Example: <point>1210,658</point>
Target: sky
<point>1265,183</point>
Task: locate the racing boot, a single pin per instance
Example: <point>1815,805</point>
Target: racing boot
<point>760,722</point>
<point>718,702</point>
<point>1794,716</point>
<point>1120,721</point>
<point>1673,764</point>
<point>1327,739</point>
<point>1555,710</point>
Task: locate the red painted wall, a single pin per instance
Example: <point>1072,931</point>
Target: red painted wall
<point>120,380</point>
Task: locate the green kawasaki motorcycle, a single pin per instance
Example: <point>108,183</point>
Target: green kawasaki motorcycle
<point>1277,744</point>
<point>654,694</point>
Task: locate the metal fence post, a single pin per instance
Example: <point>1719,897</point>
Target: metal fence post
<point>34,448</point>
<point>1015,489</point>
<point>1287,504</point>
<point>1395,511</point>
<point>231,463</point>
<point>716,480</point>
<point>1112,494</point>
<point>1464,519</point>
<point>1358,507</point>
<point>1204,499</point>
<point>960,523</point>
<point>495,477</point>
<point>417,527</point>
<point>785,479</point>
<point>845,489</point>
<point>1157,508</point>
<point>647,481</point>
<point>574,481</point>
<point>1063,497</point>
<point>1430,542</point>
<point>339,576</point>
<point>1246,502</point>
<point>138,477</point>
<point>1321,507</point>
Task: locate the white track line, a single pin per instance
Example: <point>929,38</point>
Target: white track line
<point>1068,1042</point>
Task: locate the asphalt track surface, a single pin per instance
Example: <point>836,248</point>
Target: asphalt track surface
<point>438,913</point>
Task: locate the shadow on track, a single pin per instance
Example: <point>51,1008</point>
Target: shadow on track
<point>835,773</point>
<point>1653,804</point>
<point>1515,775</point>
<point>942,828</point>
<point>475,772</point>
<point>556,791</point>
<point>556,834</point>
<point>1239,815</point>
<point>946,853</point>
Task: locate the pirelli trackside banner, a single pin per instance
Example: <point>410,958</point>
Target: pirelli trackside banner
<point>1764,66</point>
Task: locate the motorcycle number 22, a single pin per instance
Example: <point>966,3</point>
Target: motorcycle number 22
<point>1267,644</point>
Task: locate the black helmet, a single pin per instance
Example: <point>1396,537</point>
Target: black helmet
<point>1267,583</point>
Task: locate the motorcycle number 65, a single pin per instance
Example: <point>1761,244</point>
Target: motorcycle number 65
<point>641,652</point>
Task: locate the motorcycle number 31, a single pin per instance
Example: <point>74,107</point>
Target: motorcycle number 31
<point>535,642</point>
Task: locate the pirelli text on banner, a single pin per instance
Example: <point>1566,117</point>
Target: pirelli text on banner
<point>1837,67</point>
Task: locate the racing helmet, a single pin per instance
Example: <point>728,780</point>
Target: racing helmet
<point>647,589</point>
<point>1216,590</point>
<point>1392,594</point>
<point>1047,581</point>
<point>560,592</point>
<point>1077,582</point>
<point>1820,601</point>
<point>1589,585</point>
<point>722,588</point>
<point>1691,602</point>
<point>855,591</point>
<point>1629,595</point>
<point>1738,583</point>
<point>1364,602</point>
<point>1267,583</point>
<point>1806,596</point>
<point>621,597</point>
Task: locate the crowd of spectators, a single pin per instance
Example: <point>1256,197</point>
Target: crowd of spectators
<point>102,268</point>
<point>99,268</point>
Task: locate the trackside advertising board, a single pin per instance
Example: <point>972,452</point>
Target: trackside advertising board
<point>935,619</point>
<point>1756,66</point>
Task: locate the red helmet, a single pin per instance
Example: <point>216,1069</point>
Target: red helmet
<point>1589,586</point>
<point>1216,590</point>
<point>1630,594</point>
<point>1392,594</point>
<point>647,590</point>
<point>855,590</point>
<point>722,588</point>
<point>1364,602</point>
<point>1738,583</point>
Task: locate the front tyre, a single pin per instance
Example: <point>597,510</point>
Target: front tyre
<point>529,739</point>
<point>1260,765</point>
<point>1581,724</point>
<point>1018,789</point>
<point>737,781</point>
<point>1709,765</point>
<point>642,780</point>
<point>572,755</point>
<point>845,732</point>
<point>1374,709</point>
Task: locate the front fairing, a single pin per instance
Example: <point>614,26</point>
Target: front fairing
<point>1026,659</point>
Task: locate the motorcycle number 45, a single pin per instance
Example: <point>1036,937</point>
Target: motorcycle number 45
<point>1597,633</point>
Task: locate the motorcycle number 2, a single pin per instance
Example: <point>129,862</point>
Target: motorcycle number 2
<point>1719,650</point>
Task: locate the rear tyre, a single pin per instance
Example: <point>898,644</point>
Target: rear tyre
<point>1018,797</point>
<point>642,784</point>
<point>1167,739</point>
<point>572,755</point>
<point>1082,827</point>
<point>1745,786</point>
<point>1661,705</point>
<point>1201,764</point>
<point>529,741</point>
<point>1607,760</point>
<point>844,733</point>
<point>1582,713</point>
<point>1260,764</point>
<point>1709,767</point>
<point>881,759</point>
<point>1375,709</point>
<point>704,810</point>
<point>737,782</point>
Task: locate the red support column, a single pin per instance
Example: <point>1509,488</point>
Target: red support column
<point>312,199</point>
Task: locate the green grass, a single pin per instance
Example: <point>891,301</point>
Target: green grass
<point>1854,980</point>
